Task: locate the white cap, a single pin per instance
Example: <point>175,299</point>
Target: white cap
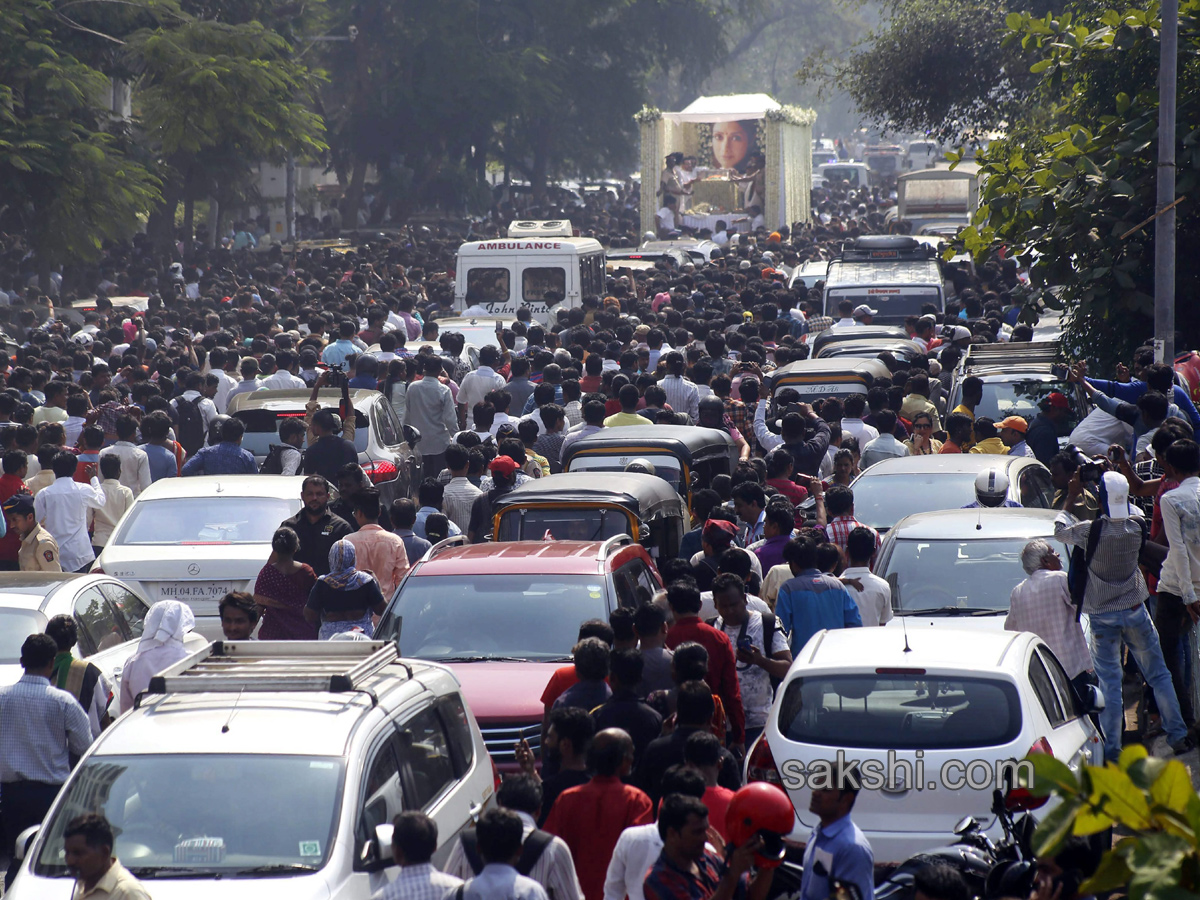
<point>744,264</point>
<point>1116,491</point>
<point>960,333</point>
<point>863,310</point>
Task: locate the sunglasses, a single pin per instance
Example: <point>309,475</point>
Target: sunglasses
<point>928,425</point>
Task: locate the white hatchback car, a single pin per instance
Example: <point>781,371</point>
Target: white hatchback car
<point>934,716</point>
<point>108,618</point>
<point>281,783</point>
<point>195,539</point>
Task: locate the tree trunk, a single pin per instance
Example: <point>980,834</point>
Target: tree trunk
<point>354,193</point>
<point>160,226</point>
<point>189,222</point>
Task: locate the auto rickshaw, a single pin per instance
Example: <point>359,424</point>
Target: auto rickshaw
<point>840,333</point>
<point>815,379</point>
<point>685,456</point>
<point>870,348</point>
<point>594,506</point>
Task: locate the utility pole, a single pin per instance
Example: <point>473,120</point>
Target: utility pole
<point>289,200</point>
<point>1164,226</point>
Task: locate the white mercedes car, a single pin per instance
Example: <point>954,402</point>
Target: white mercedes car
<point>195,539</point>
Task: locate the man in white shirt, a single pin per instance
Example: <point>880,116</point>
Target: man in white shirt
<point>196,383</point>
<point>414,841</point>
<point>499,835</point>
<point>62,509</point>
<point>871,594</point>
<point>1180,578</point>
<point>682,395</point>
<point>226,382</point>
<point>665,217</point>
<point>885,446</point>
<point>476,385</point>
<point>853,425</point>
<point>284,378</point>
<point>554,868</point>
<point>846,311</point>
<point>639,847</point>
<point>135,464</point>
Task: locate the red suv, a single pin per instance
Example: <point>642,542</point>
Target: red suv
<point>503,616</point>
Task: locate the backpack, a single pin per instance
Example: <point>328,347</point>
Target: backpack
<point>1077,573</point>
<point>191,432</point>
<point>273,463</point>
<point>770,624</point>
<point>531,851</point>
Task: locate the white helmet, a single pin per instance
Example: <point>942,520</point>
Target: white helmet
<point>991,487</point>
<point>649,236</point>
<point>641,465</point>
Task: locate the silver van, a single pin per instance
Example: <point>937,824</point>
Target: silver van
<point>272,768</point>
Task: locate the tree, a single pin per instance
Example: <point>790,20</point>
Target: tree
<point>1154,803</point>
<point>66,183</point>
<point>1073,200</point>
<point>936,67</point>
<point>215,97</point>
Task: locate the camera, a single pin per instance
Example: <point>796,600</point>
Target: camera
<point>1089,469</point>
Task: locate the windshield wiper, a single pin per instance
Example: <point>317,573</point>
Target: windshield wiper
<point>276,869</point>
<point>162,872</point>
<point>953,611</point>
<point>446,659</point>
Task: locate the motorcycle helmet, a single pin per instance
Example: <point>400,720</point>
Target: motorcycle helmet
<point>641,465</point>
<point>1012,878</point>
<point>991,487</point>
<point>760,808</point>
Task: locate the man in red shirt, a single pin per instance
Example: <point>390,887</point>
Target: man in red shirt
<point>16,464</point>
<point>684,599</point>
<point>591,817</point>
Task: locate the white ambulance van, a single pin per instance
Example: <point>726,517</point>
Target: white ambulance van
<point>537,258</point>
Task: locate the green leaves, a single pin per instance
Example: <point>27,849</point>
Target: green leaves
<point>1152,799</point>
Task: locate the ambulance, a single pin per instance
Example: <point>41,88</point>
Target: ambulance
<point>539,265</point>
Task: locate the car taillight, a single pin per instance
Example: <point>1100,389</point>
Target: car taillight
<point>1019,799</point>
<point>379,470</point>
<point>762,764</point>
<point>496,779</point>
<point>96,570</point>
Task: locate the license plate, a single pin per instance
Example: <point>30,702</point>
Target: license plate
<point>188,591</point>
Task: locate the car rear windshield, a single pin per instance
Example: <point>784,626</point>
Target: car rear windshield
<point>15,626</point>
<point>562,524</point>
<point>205,520</point>
<point>901,712</point>
<point>262,428</point>
<point>482,616</point>
<point>927,575</point>
<point>1002,399</point>
<point>203,815</point>
<point>883,500</point>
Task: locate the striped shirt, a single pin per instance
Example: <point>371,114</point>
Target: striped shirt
<point>1042,604</point>
<point>39,726</point>
<point>458,499</point>
<point>1114,582</point>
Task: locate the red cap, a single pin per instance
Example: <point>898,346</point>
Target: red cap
<point>1055,400</point>
<point>505,465</point>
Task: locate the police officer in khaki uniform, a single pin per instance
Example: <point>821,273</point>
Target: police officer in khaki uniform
<point>39,550</point>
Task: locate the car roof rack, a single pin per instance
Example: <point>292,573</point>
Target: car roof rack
<point>449,542</point>
<point>1044,352</point>
<point>284,666</point>
<point>617,540</point>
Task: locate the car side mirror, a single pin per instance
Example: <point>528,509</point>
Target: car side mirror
<point>1093,700</point>
<point>25,841</point>
<point>412,436</point>
<point>376,852</point>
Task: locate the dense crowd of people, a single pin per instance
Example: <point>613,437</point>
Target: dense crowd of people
<point>652,720</point>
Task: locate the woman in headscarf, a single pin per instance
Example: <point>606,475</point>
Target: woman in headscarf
<point>161,646</point>
<point>345,598</point>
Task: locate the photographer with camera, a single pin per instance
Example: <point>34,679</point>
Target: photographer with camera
<point>327,452</point>
<point>1070,492</point>
<point>1107,584</point>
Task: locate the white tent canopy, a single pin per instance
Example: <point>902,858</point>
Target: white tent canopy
<point>726,108</point>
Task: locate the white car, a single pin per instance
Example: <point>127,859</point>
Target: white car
<point>933,717</point>
<point>281,784</point>
<point>195,539</point>
<point>960,563</point>
<point>108,617</point>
